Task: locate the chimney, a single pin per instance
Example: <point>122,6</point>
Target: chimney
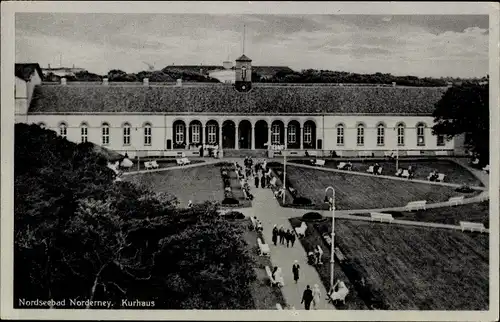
<point>179,82</point>
<point>49,66</point>
<point>63,80</point>
<point>393,84</point>
<point>145,81</point>
<point>105,81</point>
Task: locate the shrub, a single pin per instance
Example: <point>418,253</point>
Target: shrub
<point>302,201</point>
<point>464,189</point>
<point>395,214</point>
<point>312,216</point>
<point>230,201</point>
<point>234,215</point>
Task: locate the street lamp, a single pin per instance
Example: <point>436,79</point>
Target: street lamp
<point>284,176</point>
<point>331,202</point>
<point>397,147</point>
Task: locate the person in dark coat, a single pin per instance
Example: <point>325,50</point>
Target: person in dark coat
<point>292,238</point>
<point>256,179</point>
<point>275,235</point>
<point>288,236</point>
<point>307,297</point>
<point>263,181</point>
<point>281,234</point>
<point>295,271</point>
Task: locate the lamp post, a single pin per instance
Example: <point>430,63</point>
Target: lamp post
<point>331,201</point>
<point>284,177</point>
<point>397,148</point>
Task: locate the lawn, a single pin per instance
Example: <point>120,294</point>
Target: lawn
<point>414,268</point>
<point>454,172</point>
<point>264,296</point>
<point>475,212</point>
<point>199,184</point>
<point>363,192</point>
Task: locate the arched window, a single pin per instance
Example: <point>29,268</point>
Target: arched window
<point>63,130</point>
<point>360,137</point>
<point>195,133</point>
<point>292,133</point>
<point>401,134</point>
<point>420,134</point>
<point>42,125</point>
<point>105,134</point>
<point>307,133</point>
<point>380,134</point>
<point>84,131</point>
<point>147,134</point>
<point>212,133</point>
<point>179,133</point>
<point>126,134</point>
<point>275,138</point>
<point>340,134</point>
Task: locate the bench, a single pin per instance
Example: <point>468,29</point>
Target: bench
<point>465,225</point>
<point>339,295</point>
<point>148,165</point>
<point>405,174</point>
<point>182,161</point>
<point>340,256</point>
<point>313,153</point>
<point>441,177</point>
<point>441,153</point>
<point>278,306</point>
<point>456,200</point>
<point>154,164</point>
<point>319,163</point>
<point>416,205</point>
<point>399,172</point>
<point>341,165</point>
<point>379,170</point>
<point>412,152</point>
<point>270,276</point>
<point>381,216</point>
<point>263,248</point>
<point>301,231</point>
<point>370,169</point>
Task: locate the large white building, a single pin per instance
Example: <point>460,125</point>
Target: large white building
<point>163,120</point>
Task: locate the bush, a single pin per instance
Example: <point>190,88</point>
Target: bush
<point>234,215</point>
<point>464,189</point>
<point>230,201</point>
<point>395,214</point>
<point>312,216</point>
<point>302,201</point>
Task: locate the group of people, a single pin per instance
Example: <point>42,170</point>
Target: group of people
<point>283,236</point>
<point>433,176</point>
<point>311,297</point>
<point>347,166</point>
<point>411,172</point>
<point>243,176</point>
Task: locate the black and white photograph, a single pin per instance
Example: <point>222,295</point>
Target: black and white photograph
<point>313,163</point>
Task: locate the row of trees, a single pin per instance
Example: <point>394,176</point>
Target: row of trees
<point>79,234</point>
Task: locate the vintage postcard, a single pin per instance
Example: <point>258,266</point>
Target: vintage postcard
<point>250,161</point>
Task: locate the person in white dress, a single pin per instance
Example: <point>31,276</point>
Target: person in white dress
<point>278,277</point>
<point>316,296</point>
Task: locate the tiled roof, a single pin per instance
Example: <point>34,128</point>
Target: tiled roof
<point>243,58</point>
<point>24,71</point>
<point>225,99</point>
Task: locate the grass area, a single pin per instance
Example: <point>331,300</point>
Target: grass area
<point>162,163</point>
<point>264,295</point>
<point>455,173</point>
<point>475,212</point>
<point>312,239</point>
<point>199,184</point>
<point>414,268</point>
<point>363,192</point>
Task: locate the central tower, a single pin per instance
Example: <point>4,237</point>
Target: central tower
<point>243,70</point>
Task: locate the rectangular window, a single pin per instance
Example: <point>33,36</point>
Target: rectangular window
<point>179,133</point>
<point>126,135</point>
<point>105,135</point>
<point>292,134</point>
<point>340,135</point>
<point>380,136</point>
<point>361,135</point>
<point>275,139</point>
<point>195,128</point>
<point>440,140</point>
<point>147,135</point>
<point>212,133</point>
<point>307,134</point>
<point>84,134</point>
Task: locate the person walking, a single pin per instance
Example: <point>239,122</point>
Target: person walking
<point>292,238</point>
<point>275,235</point>
<point>256,176</point>
<point>288,237</point>
<point>307,297</point>
<point>316,296</point>
<point>295,271</point>
<point>281,234</point>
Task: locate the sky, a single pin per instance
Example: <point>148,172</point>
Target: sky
<point>420,45</point>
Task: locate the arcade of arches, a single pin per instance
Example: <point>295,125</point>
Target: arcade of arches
<point>245,135</point>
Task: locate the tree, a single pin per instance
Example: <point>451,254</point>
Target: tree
<point>464,109</point>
